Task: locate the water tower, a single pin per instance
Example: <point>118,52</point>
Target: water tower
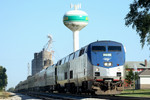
<point>75,20</point>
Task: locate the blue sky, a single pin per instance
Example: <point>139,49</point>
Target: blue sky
<point>24,25</point>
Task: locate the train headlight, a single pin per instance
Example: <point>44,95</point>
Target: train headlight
<point>97,69</point>
<point>119,69</point>
<point>107,64</point>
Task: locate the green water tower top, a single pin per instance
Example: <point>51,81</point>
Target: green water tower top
<point>75,20</point>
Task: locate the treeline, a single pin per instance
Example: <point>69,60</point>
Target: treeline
<point>3,78</point>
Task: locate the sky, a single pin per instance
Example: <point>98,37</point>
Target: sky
<point>25,24</point>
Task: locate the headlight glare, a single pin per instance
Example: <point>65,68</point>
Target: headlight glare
<point>107,64</point>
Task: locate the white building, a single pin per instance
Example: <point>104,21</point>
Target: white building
<point>144,80</point>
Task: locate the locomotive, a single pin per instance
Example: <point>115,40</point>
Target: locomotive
<point>97,68</point>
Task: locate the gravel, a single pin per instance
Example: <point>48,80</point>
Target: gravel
<point>17,96</point>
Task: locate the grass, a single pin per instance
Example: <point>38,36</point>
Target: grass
<point>4,94</point>
<point>136,93</point>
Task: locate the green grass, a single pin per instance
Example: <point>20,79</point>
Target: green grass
<point>4,95</point>
<point>136,93</point>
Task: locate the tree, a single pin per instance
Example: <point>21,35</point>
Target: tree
<point>3,78</point>
<point>11,89</point>
<point>130,77</point>
<point>126,66</point>
<point>139,18</point>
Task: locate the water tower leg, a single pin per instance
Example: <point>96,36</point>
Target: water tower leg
<point>76,40</point>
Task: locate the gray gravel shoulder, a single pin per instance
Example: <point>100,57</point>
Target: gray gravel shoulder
<point>17,96</point>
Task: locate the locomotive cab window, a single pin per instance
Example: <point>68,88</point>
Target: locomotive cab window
<point>114,48</point>
<point>98,48</point>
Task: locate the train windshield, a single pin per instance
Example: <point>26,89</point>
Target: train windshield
<point>98,48</point>
<point>114,48</point>
<point>106,54</point>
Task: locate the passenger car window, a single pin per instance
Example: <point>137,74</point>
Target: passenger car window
<point>85,50</point>
<point>81,52</point>
<point>65,75</point>
<point>59,62</point>
<point>71,56</point>
<point>63,61</point>
<point>76,54</point>
<point>98,48</point>
<point>67,59</point>
<point>71,74</point>
<point>114,48</point>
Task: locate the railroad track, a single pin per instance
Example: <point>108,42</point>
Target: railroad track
<point>67,96</point>
<point>51,96</point>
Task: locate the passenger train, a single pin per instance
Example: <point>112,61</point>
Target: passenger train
<point>97,68</point>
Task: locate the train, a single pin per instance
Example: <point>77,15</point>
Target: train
<point>97,68</point>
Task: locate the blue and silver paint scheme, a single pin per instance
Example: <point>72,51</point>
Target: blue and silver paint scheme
<point>99,66</point>
<point>107,63</point>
